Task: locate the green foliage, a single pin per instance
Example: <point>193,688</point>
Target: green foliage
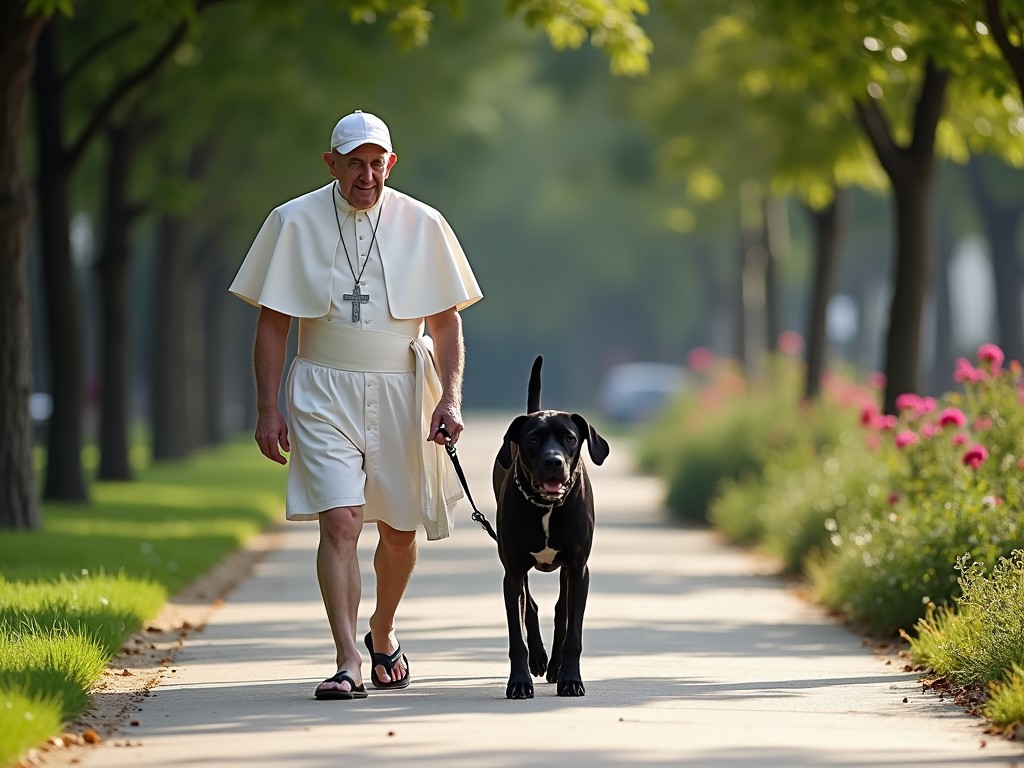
<point>1005,706</point>
<point>888,566</point>
<point>802,491</point>
<point>980,638</point>
<point>610,25</point>
<point>725,435</point>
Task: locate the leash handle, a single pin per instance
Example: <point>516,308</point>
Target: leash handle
<point>477,515</point>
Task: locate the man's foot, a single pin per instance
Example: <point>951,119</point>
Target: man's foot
<point>388,662</point>
<point>331,688</point>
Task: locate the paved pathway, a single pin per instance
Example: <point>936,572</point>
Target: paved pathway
<point>694,656</point>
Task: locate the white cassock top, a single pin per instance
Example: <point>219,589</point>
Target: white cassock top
<point>297,265</point>
<point>291,265</point>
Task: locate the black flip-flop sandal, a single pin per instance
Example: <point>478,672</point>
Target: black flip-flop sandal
<point>357,692</point>
<point>388,662</point>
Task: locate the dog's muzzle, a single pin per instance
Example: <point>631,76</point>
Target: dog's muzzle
<point>546,493</point>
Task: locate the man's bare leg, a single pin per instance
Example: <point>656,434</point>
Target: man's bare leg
<point>337,569</point>
<point>393,562</point>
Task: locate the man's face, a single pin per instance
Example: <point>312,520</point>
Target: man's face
<point>361,173</point>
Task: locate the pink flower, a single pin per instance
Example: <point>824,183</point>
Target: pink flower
<point>929,430</point>
<point>991,356</point>
<point>916,404</point>
<point>868,414</point>
<point>791,343</point>
<point>952,416</point>
<point>982,423</point>
<point>908,401</point>
<point>967,372</point>
<point>975,455</point>
<point>892,498</point>
<point>876,380</point>
<point>905,438</point>
<point>886,422</point>
<point>700,359</point>
<point>959,439</point>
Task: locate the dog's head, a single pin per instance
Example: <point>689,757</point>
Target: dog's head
<point>549,445</point>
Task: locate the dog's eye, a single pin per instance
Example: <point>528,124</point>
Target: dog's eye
<point>532,440</point>
<point>570,439</point>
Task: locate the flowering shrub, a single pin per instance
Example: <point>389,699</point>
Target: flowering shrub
<point>954,486</point>
<point>883,515</point>
<point>732,428</point>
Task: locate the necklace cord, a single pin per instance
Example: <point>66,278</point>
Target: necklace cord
<point>373,228</point>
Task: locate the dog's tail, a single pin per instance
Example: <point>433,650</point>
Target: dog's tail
<point>533,392</point>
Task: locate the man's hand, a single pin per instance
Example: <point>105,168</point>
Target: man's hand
<point>272,436</point>
<point>450,416</point>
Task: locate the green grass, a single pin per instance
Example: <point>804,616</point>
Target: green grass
<point>27,719</point>
<point>982,640</point>
<point>1005,707</point>
<point>71,593</point>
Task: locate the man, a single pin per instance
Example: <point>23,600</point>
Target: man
<point>364,268</point>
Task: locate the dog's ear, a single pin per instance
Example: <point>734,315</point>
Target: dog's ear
<point>511,436</point>
<point>596,444</point>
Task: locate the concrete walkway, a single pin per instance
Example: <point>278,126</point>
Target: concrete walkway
<point>694,656</point>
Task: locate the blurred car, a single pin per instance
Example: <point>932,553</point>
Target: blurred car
<point>635,392</point>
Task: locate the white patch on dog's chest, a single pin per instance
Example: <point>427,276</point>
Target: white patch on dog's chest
<point>547,555</point>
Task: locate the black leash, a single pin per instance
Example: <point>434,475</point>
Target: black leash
<point>477,514</point>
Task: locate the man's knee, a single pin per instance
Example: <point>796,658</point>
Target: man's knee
<point>394,540</point>
<point>341,525</point>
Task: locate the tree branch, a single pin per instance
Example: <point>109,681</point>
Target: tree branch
<point>95,51</point>
<point>129,84</point>
<point>876,128</point>
<point>1014,55</point>
<point>928,110</point>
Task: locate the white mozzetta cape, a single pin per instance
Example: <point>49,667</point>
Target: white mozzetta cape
<point>290,265</point>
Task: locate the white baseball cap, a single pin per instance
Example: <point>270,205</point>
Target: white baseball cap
<point>357,129</point>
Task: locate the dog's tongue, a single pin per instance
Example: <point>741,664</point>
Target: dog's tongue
<point>552,486</point>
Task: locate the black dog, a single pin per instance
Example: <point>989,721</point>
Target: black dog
<point>545,520</point>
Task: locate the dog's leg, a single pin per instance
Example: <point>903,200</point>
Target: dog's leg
<point>534,641</point>
<point>520,684</point>
<point>559,636</point>
<point>576,588</point>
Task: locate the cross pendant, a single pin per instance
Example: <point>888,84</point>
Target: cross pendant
<point>356,298</point>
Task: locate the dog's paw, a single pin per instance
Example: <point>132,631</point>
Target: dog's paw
<point>519,690</point>
<point>552,675</point>
<point>571,688</point>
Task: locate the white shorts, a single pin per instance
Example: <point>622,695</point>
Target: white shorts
<point>354,439</point>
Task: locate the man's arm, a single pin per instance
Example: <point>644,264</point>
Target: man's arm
<point>268,364</point>
<point>450,357</point>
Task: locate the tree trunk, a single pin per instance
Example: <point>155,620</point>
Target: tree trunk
<point>1002,222</point>
<point>911,169</point>
<point>112,268</point>
<point>775,241</point>
<point>19,501</point>
<point>193,341</point>
<point>827,224</point>
<point>64,474</point>
<point>215,350</point>
<point>753,280</point>
<point>910,288</point>
<point>168,401</point>
<point>179,410</point>
<point>943,361</point>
